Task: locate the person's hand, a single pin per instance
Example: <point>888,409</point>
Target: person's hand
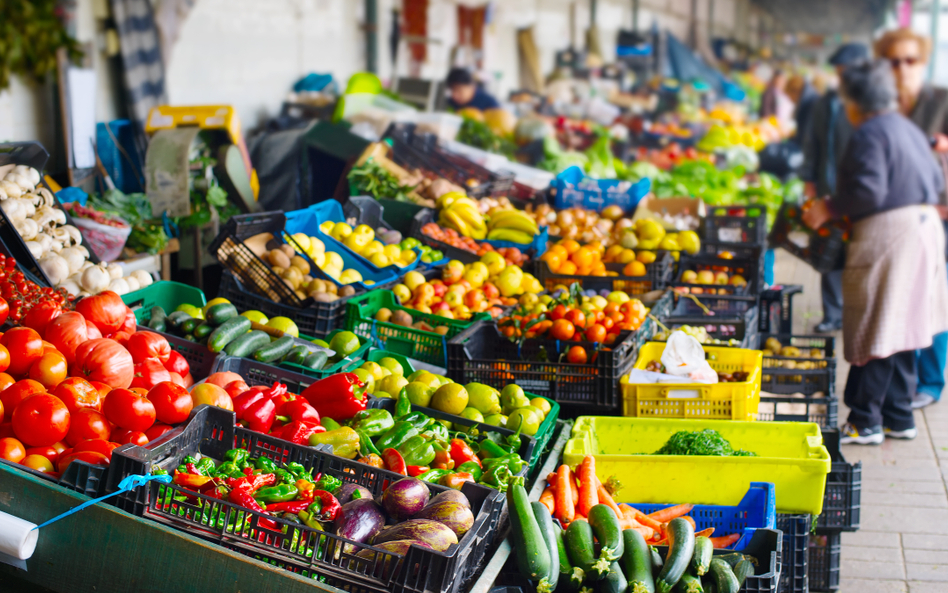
<point>817,215</point>
<point>809,190</point>
<point>941,143</point>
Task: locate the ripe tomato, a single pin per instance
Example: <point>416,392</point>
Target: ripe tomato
<point>78,393</point>
<point>121,337</point>
<point>222,378</point>
<point>50,369</point>
<point>172,402</point>
<point>129,410</point>
<point>5,381</point>
<point>98,445</point>
<point>4,311</point>
<point>596,333</point>
<point>607,323</point>
<point>235,388</point>
<point>156,431</point>
<point>558,312</point>
<point>41,315</point>
<point>150,372</point>
<point>91,457</point>
<point>19,391</point>
<point>176,363</point>
<point>576,317</point>
<point>106,310</point>
<point>67,332</point>
<point>101,387</point>
<point>51,453</point>
<point>12,450</point>
<point>130,323</point>
<point>562,330</point>
<point>88,424</point>
<point>6,430</point>
<point>576,355</point>
<point>25,346</point>
<point>105,360</point>
<point>178,380</point>
<point>92,330</point>
<point>124,436</point>
<point>37,462</point>
<point>4,358</point>
<point>41,420</point>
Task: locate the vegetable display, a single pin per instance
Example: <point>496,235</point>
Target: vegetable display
<point>701,442</point>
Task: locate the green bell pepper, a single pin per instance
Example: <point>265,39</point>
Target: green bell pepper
<point>328,483</point>
<point>265,464</point>
<point>281,493</point>
<point>417,450</point>
<point>373,422</point>
<point>498,476</point>
<point>433,476</point>
<point>419,420</point>
<point>329,423</point>
<point>398,434</point>
<point>438,431</point>
<point>366,446</point>
<point>513,462</point>
<point>470,467</point>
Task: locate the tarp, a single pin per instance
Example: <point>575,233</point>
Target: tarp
<point>684,65</point>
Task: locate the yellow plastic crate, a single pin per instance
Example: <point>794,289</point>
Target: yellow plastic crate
<point>791,455</point>
<point>722,401</point>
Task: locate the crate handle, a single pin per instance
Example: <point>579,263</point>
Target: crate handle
<point>685,393</point>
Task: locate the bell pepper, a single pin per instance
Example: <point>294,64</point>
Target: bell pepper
<point>206,466</point>
<point>471,467</point>
<point>299,410</point>
<point>305,489</point>
<point>417,450</point>
<point>497,477</point>
<point>432,476</point>
<point>456,480</point>
<point>340,396</point>
<point>513,462</point>
<point>324,507</point>
<point>419,420</point>
<point>416,470</point>
<point>245,400</point>
<point>373,422</point>
<point>398,434</point>
<point>190,481</point>
<point>462,453</point>
<point>260,415</point>
<point>439,431</point>
<point>394,462</point>
<point>442,460</point>
<point>328,483</point>
<point>281,401</point>
<point>238,457</point>
<point>266,464</point>
<point>297,432</point>
<point>280,493</point>
<point>366,446</point>
<point>402,405</point>
<point>373,460</point>
<point>344,441</point>
<point>329,423</point>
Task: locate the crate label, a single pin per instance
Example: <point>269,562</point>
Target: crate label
<point>684,394</point>
<point>733,235</point>
<point>534,385</point>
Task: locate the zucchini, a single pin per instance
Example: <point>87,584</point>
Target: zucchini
<point>689,583</point>
<point>188,325</point>
<point>708,584</point>
<point>533,557</point>
<point>315,360</point>
<point>579,547</point>
<point>615,581</point>
<point>681,546</point>
<point>274,350</point>
<point>734,557</point>
<point>189,337</point>
<point>608,532</point>
<point>227,332</point>
<point>176,318</point>
<point>575,574</point>
<point>203,330</point>
<point>743,570</point>
<point>657,562</point>
<point>704,549</point>
<point>157,320</point>
<point>220,313</point>
<point>637,562</point>
<point>248,343</point>
<point>549,581</point>
<point>296,355</point>
<point>724,579</point>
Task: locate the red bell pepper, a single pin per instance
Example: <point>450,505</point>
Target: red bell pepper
<point>281,401</point>
<point>292,506</point>
<point>394,462</point>
<point>339,397</point>
<point>461,452</point>
<point>246,399</point>
<point>260,416</point>
<point>299,410</point>
<point>296,432</point>
<point>190,481</point>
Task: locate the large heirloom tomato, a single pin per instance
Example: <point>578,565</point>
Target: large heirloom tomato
<point>66,332</point>
<point>149,373</point>
<point>106,310</point>
<point>142,345</point>
<point>41,420</point>
<point>172,402</point>
<point>105,360</point>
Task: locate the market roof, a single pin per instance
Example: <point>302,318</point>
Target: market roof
<point>828,18</point>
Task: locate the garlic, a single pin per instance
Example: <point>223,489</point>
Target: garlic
<point>27,228</point>
<point>55,268</point>
<point>119,286</point>
<point>115,271</point>
<point>74,257</point>
<point>144,278</point>
<point>95,279</point>
<point>133,284</point>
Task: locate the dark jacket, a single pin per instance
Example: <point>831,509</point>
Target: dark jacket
<point>804,112</point>
<point>481,100</point>
<point>931,111</point>
<point>888,164</point>
<point>825,142</point>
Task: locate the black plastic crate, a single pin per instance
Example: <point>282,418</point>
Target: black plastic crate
<point>261,373</point>
<point>731,318</point>
<point>822,248</point>
<point>736,225</point>
<point>799,388</point>
<point>658,275</point>
<point>843,494</point>
<point>824,556</point>
<point>480,353</point>
<point>80,476</point>
<point>796,531</point>
<point>776,309</point>
<point>749,268</point>
<point>365,210</point>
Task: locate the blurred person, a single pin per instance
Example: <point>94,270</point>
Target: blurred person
<point>823,148</point>
<point>927,107</point>
<point>895,285</point>
<point>465,92</point>
<point>773,90</point>
<point>804,97</point>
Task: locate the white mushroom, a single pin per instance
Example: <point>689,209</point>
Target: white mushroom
<point>55,268</point>
<point>71,286</point>
<point>21,180</point>
<point>46,216</point>
<point>36,249</point>
<point>28,172</point>
<point>61,235</point>
<point>27,228</point>
<point>95,279</point>
<point>74,234</point>
<point>75,257</point>
<point>132,282</point>
<point>119,286</point>
<point>115,271</point>
<point>143,277</point>
<point>15,209</point>
<point>11,189</point>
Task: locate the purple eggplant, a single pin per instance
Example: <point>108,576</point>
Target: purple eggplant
<point>346,492</point>
<point>450,494</point>
<point>455,515</point>
<point>384,561</point>
<point>434,533</point>
<point>359,520</point>
<point>405,498</point>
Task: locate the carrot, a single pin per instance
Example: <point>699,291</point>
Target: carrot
<point>646,520</point>
<point>690,520</point>
<point>586,472</point>
<point>548,499</point>
<point>725,541</point>
<point>606,498</point>
<point>565,510</point>
<point>626,512</point>
<point>666,515</point>
<point>572,485</point>
<point>705,532</point>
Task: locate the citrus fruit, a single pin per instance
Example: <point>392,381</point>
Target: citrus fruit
<point>496,420</point>
<point>418,393</point>
<point>256,317</point>
<point>344,343</point>
<point>524,420</point>
<point>536,411</point>
<point>322,343</point>
<point>195,312</point>
<point>483,398</point>
<point>213,302</point>
<point>391,384</point>
<point>366,377</point>
<point>285,325</point>
<point>424,377</point>
<point>374,368</point>
<point>512,397</point>
<point>392,365</point>
<point>450,399</point>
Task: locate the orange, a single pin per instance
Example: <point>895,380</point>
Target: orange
<point>596,333</point>
<point>570,245</point>
<point>560,250</point>
<point>576,355</point>
<point>583,257</point>
<point>599,269</point>
<point>562,330</point>
<point>612,253</point>
<point>567,268</point>
<point>635,268</point>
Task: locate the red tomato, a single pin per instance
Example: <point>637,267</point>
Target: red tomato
<point>19,391</point>
<point>4,311</point>
<point>41,315</point>
<point>188,380</point>
<point>50,369</point>
<point>142,345</point>
<point>105,360</point>
<point>124,436</point>
<point>4,358</point>
<point>150,372</point>
<point>88,424</point>
<point>90,457</point>
<point>101,387</point>
<point>12,450</point>
<point>176,363</point>
<point>6,430</point>
<point>558,312</point>
<point>172,402</point>
<point>92,330</point>
<point>5,381</point>
<point>78,393</point>
<point>41,420</point>
<point>51,453</point>
<point>576,355</point>
<point>235,388</point>
<point>129,325</point>
<point>596,333</point>
<point>156,431</point>
<point>178,380</point>
<point>98,445</point>
<point>129,410</point>
<point>106,310</point>
<point>577,318</point>
<point>25,346</point>
<point>607,323</point>
<point>67,332</point>
<point>1,411</point>
<point>38,463</point>
<point>222,378</point>
<point>121,337</point>
<point>562,330</point>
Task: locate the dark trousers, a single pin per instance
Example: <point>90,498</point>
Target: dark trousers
<point>879,393</point>
<point>831,287</point>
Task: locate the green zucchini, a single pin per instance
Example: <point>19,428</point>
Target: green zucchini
<point>315,360</point>
<point>176,318</point>
<point>657,562</point>
<point>203,330</point>
<point>608,532</point>
<point>574,574</point>
<point>704,549</point>
<point>549,581</point>
<point>681,546</point>
<point>227,332</point>
<point>724,579</point>
<point>533,557</point>
<point>689,583</point>
<point>734,557</point>
<point>579,547</point>
<point>248,343</point>
<point>158,319</point>
<point>743,570</point>
<point>189,337</point>
<point>275,350</point>
<point>708,584</point>
<point>296,355</point>
<point>188,325</point>
<point>615,581</point>
<point>220,313</point>
<point>637,562</point>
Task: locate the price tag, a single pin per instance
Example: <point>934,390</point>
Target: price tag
<point>730,235</point>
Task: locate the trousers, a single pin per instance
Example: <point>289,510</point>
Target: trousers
<point>879,393</point>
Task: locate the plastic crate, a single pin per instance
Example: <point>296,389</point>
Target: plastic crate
<point>658,275</point>
<point>843,496</point>
<point>749,268</point>
<point>365,210</point>
<point>766,546</point>
<point>793,572</point>
<point>789,454</point>
<point>482,354</point>
<point>165,294</point>
<point>732,318</point>
<point>200,360</point>
<point>795,394</point>
<point>532,250</point>
<point>822,249</point>
<point>574,188</point>
<point>80,476</point>
<point>736,225</point>
<point>824,557</point>
<point>720,401</point>
<point>346,365</point>
<point>776,309</point>
<point>259,373</point>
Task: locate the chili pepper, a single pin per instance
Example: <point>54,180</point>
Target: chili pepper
<point>417,450</point>
<point>419,420</point>
<point>158,471</point>
<point>373,460</point>
<point>514,441</point>
<point>305,489</point>
<point>266,464</point>
<point>497,477</point>
<point>402,405</point>
<point>394,461</point>
<point>297,432</point>
<point>442,460</point>
<point>206,466</point>
<point>299,471</point>
<point>456,480</point>
<point>310,521</point>
<point>189,480</point>
<point>398,434</point>
<point>189,459</point>
<point>462,453</point>
<point>284,477</point>
<point>290,506</point>
<point>366,446</point>
<point>192,469</point>
<point>238,457</point>
<point>328,483</point>
<point>228,470</point>
<point>471,467</point>
<point>416,470</point>
<point>260,416</point>
<point>489,449</point>
<point>433,475</point>
<point>280,493</point>
<point>299,410</point>
<point>339,396</point>
<point>373,422</point>
<point>243,496</point>
<point>329,423</point>
<point>344,441</point>
<point>253,483</point>
<point>324,507</point>
<point>513,462</point>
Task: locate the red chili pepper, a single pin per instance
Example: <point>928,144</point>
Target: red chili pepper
<point>192,469</point>
<point>190,481</point>
<point>260,415</point>
<point>252,482</point>
<point>325,506</point>
<point>417,470</point>
<point>293,506</point>
<point>243,496</point>
<point>442,460</point>
<point>394,462</point>
<point>461,452</point>
<point>339,396</point>
<point>246,399</point>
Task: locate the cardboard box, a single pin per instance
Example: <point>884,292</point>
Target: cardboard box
<point>652,207</point>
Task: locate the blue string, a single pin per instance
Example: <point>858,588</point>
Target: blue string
<point>128,483</point>
<point>376,341</point>
<point>444,350</point>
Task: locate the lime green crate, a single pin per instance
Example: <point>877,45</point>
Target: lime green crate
<point>165,294</point>
<point>346,365</point>
<point>791,455</point>
<point>421,345</point>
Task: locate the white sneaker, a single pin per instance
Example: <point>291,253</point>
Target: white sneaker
<point>850,435</point>
<point>906,435</point>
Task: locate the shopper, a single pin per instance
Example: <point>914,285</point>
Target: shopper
<point>823,148</point>
<point>465,92</point>
<point>927,106</point>
<point>769,99</point>
<point>804,97</point>
<point>895,285</point>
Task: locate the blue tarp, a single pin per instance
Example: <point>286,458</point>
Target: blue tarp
<point>685,65</point>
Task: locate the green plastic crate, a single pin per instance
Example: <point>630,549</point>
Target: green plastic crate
<point>376,354</point>
<point>165,294</point>
<point>346,365</point>
<point>422,345</point>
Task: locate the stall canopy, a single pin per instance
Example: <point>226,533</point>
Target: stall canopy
<point>820,17</point>
<point>685,65</point>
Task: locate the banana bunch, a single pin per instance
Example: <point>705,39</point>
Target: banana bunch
<point>511,225</point>
<point>462,215</point>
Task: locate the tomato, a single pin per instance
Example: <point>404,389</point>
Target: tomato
<point>12,450</point>
<point>38,463</point>
<point>607,323</point>
<point>149,373</point>
<point>66,332</point>
<point>105,360</point>
<point>222,378</point>
<point>50,369</point>
<point>25,346</point>
<point>178,380</point>
<point>90,457</point>
<point>129,410</point>
<point>576,317</point>
<point>235,388</point>
<point>138,390</point>
<point>121,337</point>
<point>106,310</point>
<point>213,395</point>
<point>92,330</point>
<point>101,387</point>
<point>562,330</point>
<point>88,424</point>
<point>172,402</point>
<point>576,355</point>
<point>51,453</point>
<point>4,358</point>
<point>78,393</point>
<point>41,420</point>
<point>124,436</point>
<point>558,312</point>
<point>142,345</point>
<point>5,381</point>
<point>616,317</point>
<point>156,431</point>
<point>188,381</point>
<point>6,430</point>
<point>596,333</point>
<point>98,445</point>
<point>176,363</point>
<point>130,324</point>
<point>4,311</point>
<point>19,391</point>
<point>41,315</point>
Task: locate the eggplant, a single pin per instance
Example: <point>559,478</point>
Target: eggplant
<point>434,533</point>
<point>455,515</point>
<point>450,494</point>
<point>345,492</point>
<point>405,498</point>
<point>398,547</point>
<point>359,520</point>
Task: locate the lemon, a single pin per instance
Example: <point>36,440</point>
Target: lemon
<point>450,399</point>
<point>418,393</point>
<point>496,420</point>
<point>425,377</point>
<point>366,377</point>
<point>392,252</point>
<point>322,343</point>
<point>392,384</point>
<point>512,398</point>
<point>285,325</point>
<point>470,414</point>
<point>483,398</point>
<point>256,317</point>
<point>344,343</point>
<point>393,365</point>
<point>524,419</point>
<point>213,302</point>
<point>195,312</point>
<point>542,404</point>
<point>374,368</point>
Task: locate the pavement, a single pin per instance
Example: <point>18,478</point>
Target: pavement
<point>902,543</point>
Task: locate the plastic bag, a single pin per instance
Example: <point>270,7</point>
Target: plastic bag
<point>684,357</point>
<point>106,241</point>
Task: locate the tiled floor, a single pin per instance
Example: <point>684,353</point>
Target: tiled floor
<point>902,546</point>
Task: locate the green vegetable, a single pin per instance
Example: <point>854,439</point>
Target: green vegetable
<point>615,581</point>
<point>689,583</point>
<point>158,319</point>
<point>176,318</point>
<point>567,570</point>
<point>296,355</point>
<point>533,556</point>
<point>704,549</point>
<point>579,546</point>
<point>203,330</point>
<point>275,350</point>
<point>681,546</point>
<point>637,562</point>
<point>374,180</point>
<point>219,313</point>
<point>724,579</point>
<point>148,233</point>
<point>315,360</point>
<point>549,581</point>
<point>479,135</point>
<point>246,344</point>
<point>700,442</point>
<point>743,570</point>
<point>228,332</point>
<point>188,325</point>
<point>608,532</point>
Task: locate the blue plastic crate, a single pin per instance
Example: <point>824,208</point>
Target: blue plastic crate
<point>757,510</point>
<point>538,245</point>
<point>573,188</point>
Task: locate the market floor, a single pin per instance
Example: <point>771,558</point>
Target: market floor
<point>902,546</point>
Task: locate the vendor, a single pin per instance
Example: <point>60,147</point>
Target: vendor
<point>895,286</point>
<point>466,93</point>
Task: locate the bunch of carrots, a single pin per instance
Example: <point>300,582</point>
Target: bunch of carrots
<point>570,495</point>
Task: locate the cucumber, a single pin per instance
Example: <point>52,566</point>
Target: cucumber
<point>579,547</point>
<point>220,313</point>
<point>533,557</point>
<point>248,343</point>
<point>608,532</point>
<point>296,355</point>
<point>274,350</point>
<point>704,549</point>
<point>724,579</point>
<point>189,337</point>
<point>689,583</point>
<point>188,325</point>
<point>708,584</point>
<point>657,562</point>
<point>315,360</point>
<point>158,319</point>
<point>637,562</point>
<point>227,332</point>
<point>203,330</point>
<point>615,581</point>
<point>176,318</point>
<point>574,574</point>
<point>681,546</point>
<point>743,570</point>
<point>549,581</point>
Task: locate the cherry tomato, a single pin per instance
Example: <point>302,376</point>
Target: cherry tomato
<point>5,381</point>
<point>607,323</point>
<point>4,311</point>
<point>25,346</point>
<point>562,330</point>
<point>576,355</point>
<point>49,369</point>
<point>129,410</point>
<point>41,420</point>
<point>77,393</point>
<point>88,424</point>
<point>12,450</point>
<point>37,462</point>
<point>172,402</point>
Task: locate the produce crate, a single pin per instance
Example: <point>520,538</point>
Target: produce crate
<point>532,250</point>
<point>843,495</point>
<point>658,275</point>
<point>346,365</point>
<point>721,401</point>
<point>79,476</point>
<point>400,215</point>
<point>749,268</point>
<point>426,346</point>
<point>200,360</point>
<point>824,561</point>
<point>574,188</point>
<point>165,294</point>
<point>776,309</point>
<point>481,354</point>
<point>795,394</point>
<point>259,373</point>
<point>736,225</point>
<point>732,318</point>
<point>365,210</point>
<point>297,548</point>
<point>796,534</point>
<point>822,248</point>
<point>789,454</point>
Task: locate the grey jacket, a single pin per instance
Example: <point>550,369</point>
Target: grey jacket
<point>824,143</point>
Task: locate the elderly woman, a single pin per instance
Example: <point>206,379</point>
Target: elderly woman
<point>895,287</point>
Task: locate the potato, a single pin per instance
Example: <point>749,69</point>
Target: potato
<point>331,286</point>
<point>278,270</point>
<point>298,262</point>
<point>317,285</point>
<point>279,259</point>
<point>401,318</point>
<point>287,250</point>
<point>300,294</point>
<point>273,243</point>
<point>347,291</point>
<point>323,297</point>
<point>258,243</point>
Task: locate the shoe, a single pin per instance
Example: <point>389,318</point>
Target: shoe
<point>920,400</point>
<point>850,435</point>
<point>826,327</point>
<point>906,435</point>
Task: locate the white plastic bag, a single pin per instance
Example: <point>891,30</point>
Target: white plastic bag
<point>684,357</point>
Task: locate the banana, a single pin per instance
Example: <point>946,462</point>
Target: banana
<point>470,215</point>
<point>460,225</point>
<point>511,235</point>
<point>519,222</point>
<point>464,200</point>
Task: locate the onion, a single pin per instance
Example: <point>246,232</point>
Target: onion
<point>95,279</point>
<point>55,268</point>
<point>565,219</point>
<point>143,277</point>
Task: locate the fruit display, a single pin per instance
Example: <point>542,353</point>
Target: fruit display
<point>512,255</point>
<point>511,225</point>
<point>460,213</point>
<point>709,277</point>
<point>772,348</point>
<point>387,249</point>
<point>656,366</point>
